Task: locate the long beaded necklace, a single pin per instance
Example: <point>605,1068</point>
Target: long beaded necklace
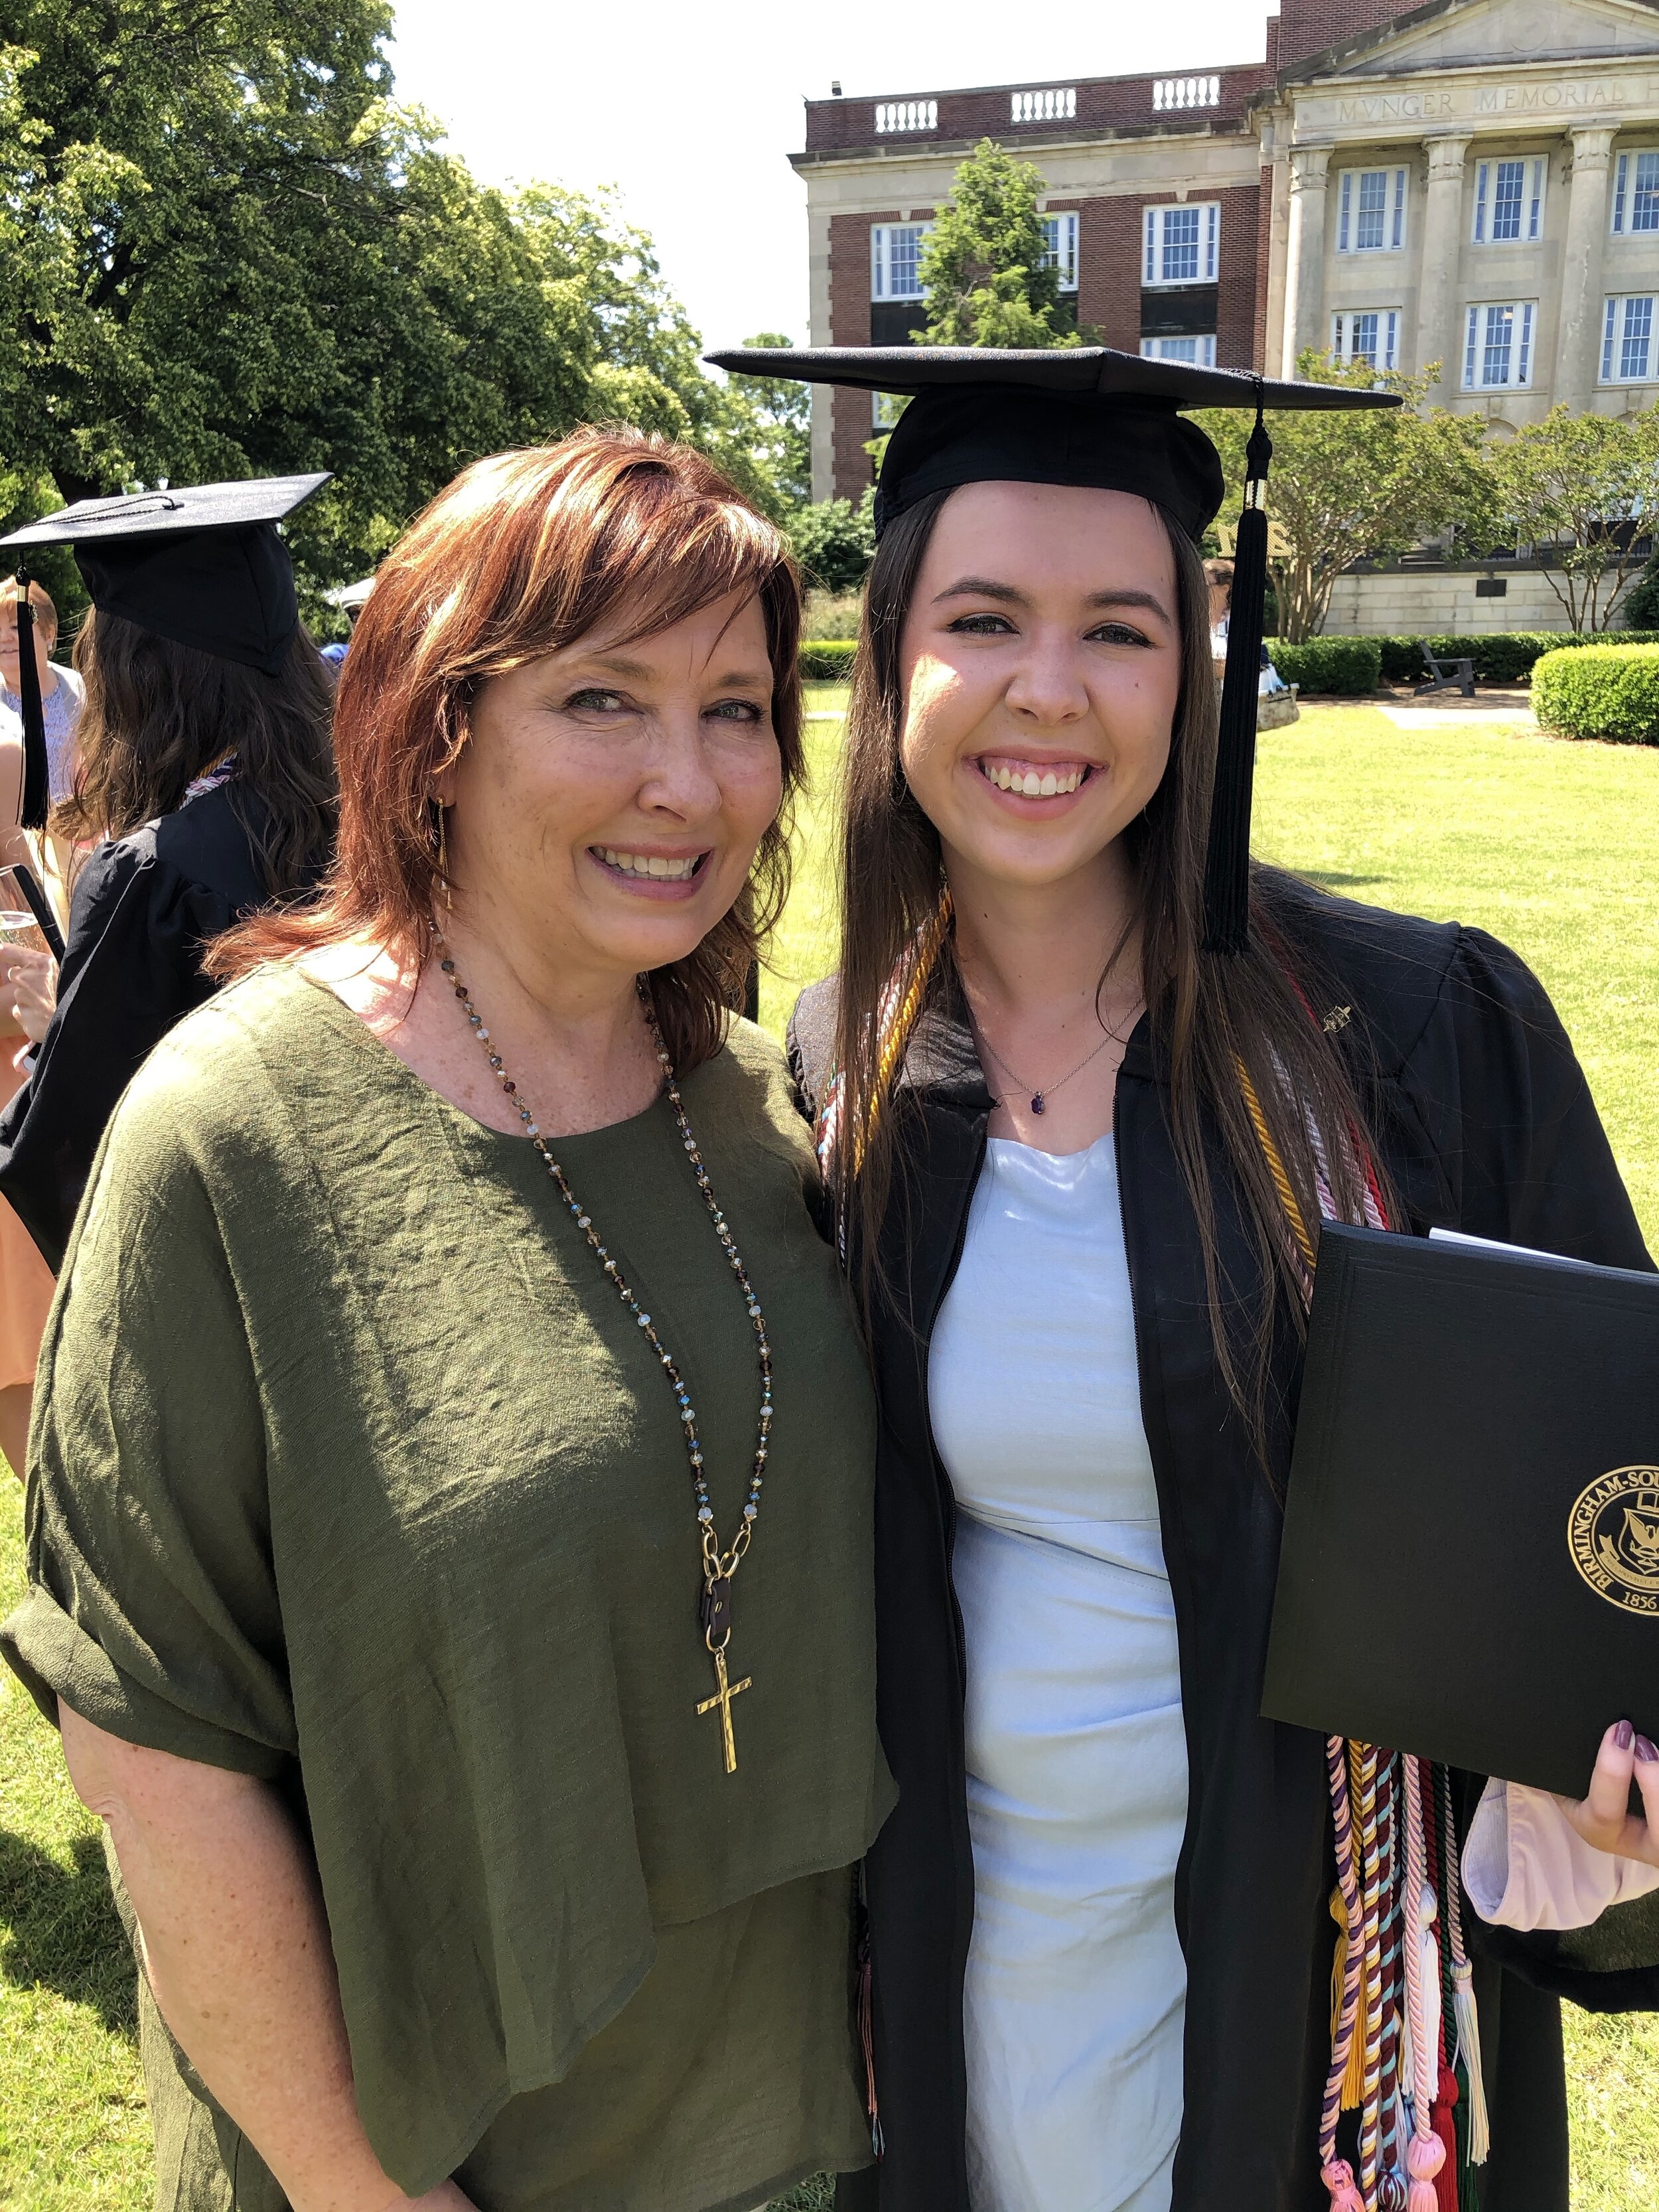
<point>718,1566</point>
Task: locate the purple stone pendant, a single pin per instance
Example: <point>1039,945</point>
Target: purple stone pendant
<point>1037,1102</point>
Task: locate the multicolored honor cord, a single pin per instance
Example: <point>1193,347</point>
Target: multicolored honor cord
<point>1385,1880</point>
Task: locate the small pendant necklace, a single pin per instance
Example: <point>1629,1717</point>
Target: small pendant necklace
<point>1040,1098</point>
<point>718,1566</point>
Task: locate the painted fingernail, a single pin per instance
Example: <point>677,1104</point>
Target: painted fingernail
<point>1624,1735</point>
<point>1645,1750</point>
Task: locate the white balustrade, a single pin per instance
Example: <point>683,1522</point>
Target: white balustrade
<point>1058,105</point>
<point>1186,91</point>
<point>893,116</point>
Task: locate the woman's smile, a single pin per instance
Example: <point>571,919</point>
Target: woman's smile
<point>651,873</point>
<point>1034,784</point>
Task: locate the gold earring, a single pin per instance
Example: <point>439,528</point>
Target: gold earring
<point>443,856</point>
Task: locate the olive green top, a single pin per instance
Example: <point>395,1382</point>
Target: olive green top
<point>350,1469</point>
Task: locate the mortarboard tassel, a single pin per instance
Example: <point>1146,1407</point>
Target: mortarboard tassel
<point>36,777</point>
<point>1227,865</point>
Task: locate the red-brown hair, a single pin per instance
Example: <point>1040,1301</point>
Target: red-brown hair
<point>522,554</point>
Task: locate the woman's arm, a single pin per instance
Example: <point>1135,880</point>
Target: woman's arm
<point>237,1954</point>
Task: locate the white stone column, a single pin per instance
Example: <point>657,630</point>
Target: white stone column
<point>822,443</point>
<point>1304,271</point>
<point>1443,248</point>
<point>1274,161</point>
<point>1581,284</point>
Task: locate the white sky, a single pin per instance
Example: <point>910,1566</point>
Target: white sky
<point>692,110</point>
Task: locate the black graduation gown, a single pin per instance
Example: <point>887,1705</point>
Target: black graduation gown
<point>1488,1125</point>
<point>140,913</point>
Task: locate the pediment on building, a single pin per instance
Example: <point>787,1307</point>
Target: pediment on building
<point>1460,34</point>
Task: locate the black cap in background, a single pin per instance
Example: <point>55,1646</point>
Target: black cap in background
<point>201,564</point>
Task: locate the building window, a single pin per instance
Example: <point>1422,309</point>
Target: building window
<point>1635,193</point>
<point>1061,230</point>
<point>1059,106</point>
<point>1628,339</point>
<point>1509,202</point>
<point>1498,346</point>
<point>900,115</point>
<point>1181,243</point>
<point>1199,352</point>
<point>896,260</point>
<point>887,408</point>
<point>1371,335</point>
<point>1370,211</point>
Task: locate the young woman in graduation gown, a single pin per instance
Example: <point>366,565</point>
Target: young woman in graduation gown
<point>1100,1923</point>
<point>204,788</point>
<point>456,1588</point>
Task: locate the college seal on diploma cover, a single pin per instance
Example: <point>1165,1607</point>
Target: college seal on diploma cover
<point>1613,1532</point>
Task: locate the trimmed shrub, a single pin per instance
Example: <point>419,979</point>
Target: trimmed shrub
<point>1605,691</point>
<point>831,614</point>
<point>1349,666</point>
<point>827,660</point>
<point>1504,656</point>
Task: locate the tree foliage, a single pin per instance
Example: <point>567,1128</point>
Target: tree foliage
<point>836,542</point>
<point>1362,486</point>
<point>780,411</point>
<point>984,265</point>
<point>229,252</point>
<point>1580,489</point>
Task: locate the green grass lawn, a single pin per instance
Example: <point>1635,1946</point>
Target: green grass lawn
<point>1554,848</point>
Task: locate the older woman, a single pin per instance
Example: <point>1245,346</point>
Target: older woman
<point>455,1587</point>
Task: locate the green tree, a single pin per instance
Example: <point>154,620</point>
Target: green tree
<point>1356,487</point>
<point>780,410</point>
<point>836,542</point>
<point>229,253</point>
<point>1580,489</point>
<point>1639,608</point>
<point>985,264</point>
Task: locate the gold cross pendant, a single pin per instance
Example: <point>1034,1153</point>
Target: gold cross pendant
<point>722,1697</point>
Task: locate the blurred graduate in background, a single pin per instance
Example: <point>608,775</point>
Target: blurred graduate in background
<point>27,967</point>
<point>204,784</point>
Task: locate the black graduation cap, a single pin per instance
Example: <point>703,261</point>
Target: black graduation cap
<point>1091,416</point>
<point>201,564</point>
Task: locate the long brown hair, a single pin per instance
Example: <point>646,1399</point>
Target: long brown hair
<point>1210,1014</point>
<point>522,554</point>
<point>158,714</point>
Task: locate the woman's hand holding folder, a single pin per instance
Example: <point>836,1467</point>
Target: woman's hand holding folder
<point>1602,1817</point>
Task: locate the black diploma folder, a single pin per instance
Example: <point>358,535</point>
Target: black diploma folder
<point>1470,1568</point>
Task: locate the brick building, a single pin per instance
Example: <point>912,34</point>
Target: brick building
<point>1474,182</point>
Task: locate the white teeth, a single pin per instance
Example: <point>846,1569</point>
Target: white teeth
<point>647,864</point>
<point>1031,783</point>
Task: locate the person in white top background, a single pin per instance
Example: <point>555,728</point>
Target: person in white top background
<point>29,978</point>
<point>62,695</point>
<point>1059,1105</point>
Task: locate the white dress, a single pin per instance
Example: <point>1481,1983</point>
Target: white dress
<point>1077,1758</point>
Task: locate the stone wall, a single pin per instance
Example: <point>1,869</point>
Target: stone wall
<point>851,413</point>
<point>1103,104</point>
<point>1441,603</point>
